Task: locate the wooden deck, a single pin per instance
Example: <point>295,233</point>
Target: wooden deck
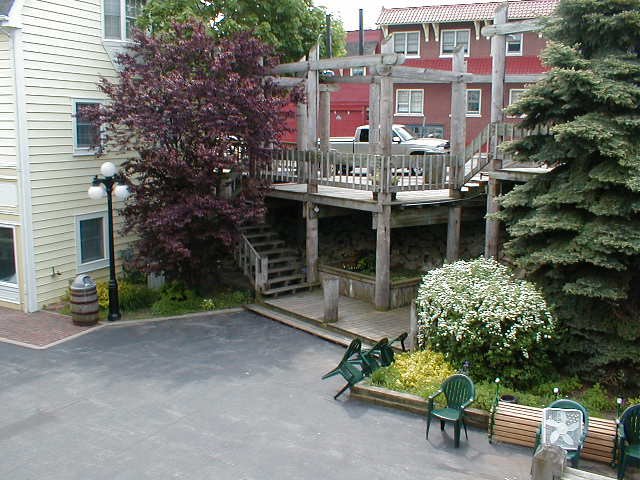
<point>354,198</point>
<point>354,316</point>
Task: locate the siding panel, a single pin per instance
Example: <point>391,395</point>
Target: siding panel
<point>64,60</point>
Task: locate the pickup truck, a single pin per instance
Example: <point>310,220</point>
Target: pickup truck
<point>404,143</point>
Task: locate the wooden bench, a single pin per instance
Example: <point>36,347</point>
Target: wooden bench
<point>518,424</point>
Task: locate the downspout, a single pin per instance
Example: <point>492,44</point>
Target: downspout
<point>23,170</point>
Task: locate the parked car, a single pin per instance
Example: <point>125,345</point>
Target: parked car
<point>404,143</point>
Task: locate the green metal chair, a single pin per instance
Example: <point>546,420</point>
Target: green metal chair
<point>459,392</point>
<point>629,438</point>
<point>350,367</point>
<point>572,455</point>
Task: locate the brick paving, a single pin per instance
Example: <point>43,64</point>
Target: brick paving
<point>38,329</point>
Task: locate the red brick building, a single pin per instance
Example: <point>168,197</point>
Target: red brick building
<point>427,37</point>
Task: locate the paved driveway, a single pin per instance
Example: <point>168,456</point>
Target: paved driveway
<point>231,396</point>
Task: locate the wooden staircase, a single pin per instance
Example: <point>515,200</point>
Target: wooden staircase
<point>273,268</point>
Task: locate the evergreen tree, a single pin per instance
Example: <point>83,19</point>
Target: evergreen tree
<point>576,229</point>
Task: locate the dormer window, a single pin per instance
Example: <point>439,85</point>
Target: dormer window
<point>450,39</point>
<point>120,18</point>
<point>407,43</point>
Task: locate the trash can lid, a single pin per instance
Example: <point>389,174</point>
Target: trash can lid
<point>83,281</point>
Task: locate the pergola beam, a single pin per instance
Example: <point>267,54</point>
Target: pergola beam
<point>341,62</point>
<point>532,25</point>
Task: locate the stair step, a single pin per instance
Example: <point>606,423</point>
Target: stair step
<point>255,228</point>
<point>268,243</point>
<point>276,251</point>
<point>261,235</point>
<point>273,260</point>
<point>287,288</point>
<point>287,278</point>
<point>295,266</point>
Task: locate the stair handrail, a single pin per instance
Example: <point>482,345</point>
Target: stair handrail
<point>248,258</point>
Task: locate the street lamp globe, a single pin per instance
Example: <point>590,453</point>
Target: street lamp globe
<point>121,191</point>
<point>108,169</point>
<point>96,192</point>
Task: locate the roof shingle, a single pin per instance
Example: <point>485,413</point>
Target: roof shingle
<point>518,10</point>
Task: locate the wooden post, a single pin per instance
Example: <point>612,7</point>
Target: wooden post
<point>458,143</point>
<point>374,116</point>
<point>331,291</point>
<point>383,233</point>
<point>312,88</point>
<point>453,233</point>
<point>324,112</point>
<point>498,53</point>
<point>301,127</point>
<point>312,242</point>
<point>413,328</point>
<point>458,119</point>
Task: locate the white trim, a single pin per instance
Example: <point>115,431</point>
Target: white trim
<point>11,290</point>
<point>514,54</point>
<point>409,113</point>
<point>407,55</point>
<point>442,32</point>
<point>94,264</point>
<point>466,108</point>
<point>81,151</point>
<point>24,175</point>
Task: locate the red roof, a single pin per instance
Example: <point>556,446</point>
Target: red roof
<point>518,10</point>
<point>369,35</point>
<point>482,66</point>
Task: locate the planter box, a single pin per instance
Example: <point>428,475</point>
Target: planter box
<point>362,287</point>
<point>410,403</point>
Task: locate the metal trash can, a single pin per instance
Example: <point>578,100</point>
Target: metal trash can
<point>84,301</point>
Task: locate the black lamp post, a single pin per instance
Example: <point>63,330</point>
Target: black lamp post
<point>101,187</point>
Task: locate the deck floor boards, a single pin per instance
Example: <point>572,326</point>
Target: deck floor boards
<point>355,316</point>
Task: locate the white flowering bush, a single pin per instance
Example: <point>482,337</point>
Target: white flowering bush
<point>477,311</point>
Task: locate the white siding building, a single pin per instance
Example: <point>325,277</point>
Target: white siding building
<point>52,55</point>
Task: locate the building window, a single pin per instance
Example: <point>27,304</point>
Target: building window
<point>86,135</point>
<point>409,102</point>
<point>474,102</point>
<point>91,248</point>
<point>120,18</point>
<point>7,256</point>
<point>515,94</point>
<point>514,44</point>
<point>450,39</point>
<point>407,43</point>
<point>358,71</point>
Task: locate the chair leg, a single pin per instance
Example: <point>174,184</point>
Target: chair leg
<point>456,434</point>
<point>341,391</point>
<point>465,429</point>
<point>622,467</point>
<point>441,424</point>
<point>428,425</point>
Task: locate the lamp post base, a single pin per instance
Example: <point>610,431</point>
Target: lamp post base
<point>114,307</point>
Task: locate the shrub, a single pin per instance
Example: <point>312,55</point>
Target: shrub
<point>176,299</point>
<point>420,373</point>
<point>132,296</point>
<point>226,300</point>
<point>477,311</point>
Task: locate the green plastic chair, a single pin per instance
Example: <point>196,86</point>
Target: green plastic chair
<point>628,438</point>
<point>350,367</point>
<point>459,392</point>
<point>572,455</point>
<point>373,358</point>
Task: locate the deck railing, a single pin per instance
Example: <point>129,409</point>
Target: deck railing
<point>254,266</point>
<point>375,173</point>
<point>395,173</point>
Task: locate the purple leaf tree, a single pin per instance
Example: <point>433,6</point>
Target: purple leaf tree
<point>199,112</point>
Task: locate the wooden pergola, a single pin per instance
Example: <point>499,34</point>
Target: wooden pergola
<point>313,122</point>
